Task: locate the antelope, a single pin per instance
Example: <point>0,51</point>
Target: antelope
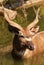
<point>27,42</point>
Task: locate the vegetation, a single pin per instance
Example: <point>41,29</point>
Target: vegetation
<point>6,37</point>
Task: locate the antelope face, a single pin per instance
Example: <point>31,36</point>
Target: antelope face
<point>26,41</point>
<point>24,36</point>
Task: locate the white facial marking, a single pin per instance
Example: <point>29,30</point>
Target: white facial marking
<point>28,39</point>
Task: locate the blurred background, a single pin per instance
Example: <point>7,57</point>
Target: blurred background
<point>6,37</point>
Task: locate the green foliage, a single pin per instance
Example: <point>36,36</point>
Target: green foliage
<point>42,11</point>
<point>5,34</point>
<point>6,38</point>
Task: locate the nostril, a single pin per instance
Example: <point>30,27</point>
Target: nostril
<point>30,45</point>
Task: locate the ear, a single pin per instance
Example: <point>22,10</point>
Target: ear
<point>34,23</point>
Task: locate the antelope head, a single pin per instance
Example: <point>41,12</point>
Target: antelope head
<point>24,35</point>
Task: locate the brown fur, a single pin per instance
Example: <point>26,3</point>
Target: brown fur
<point>38,41</point>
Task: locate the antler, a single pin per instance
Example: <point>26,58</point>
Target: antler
<point>11,22</point>
<point>8,14</point>
<point>36,20</point>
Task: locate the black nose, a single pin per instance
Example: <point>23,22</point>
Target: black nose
<point>30,45</point>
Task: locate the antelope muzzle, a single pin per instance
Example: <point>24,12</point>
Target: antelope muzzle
<point>28,43</point>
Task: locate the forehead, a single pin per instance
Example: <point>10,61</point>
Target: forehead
<point>26,32</point>
<point>25,38</point>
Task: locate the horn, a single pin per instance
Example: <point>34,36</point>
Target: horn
<point>33,24</point>
<point>9,16</point>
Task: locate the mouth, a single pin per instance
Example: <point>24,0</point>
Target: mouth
<point>30,46</point>
<point>28,43</point>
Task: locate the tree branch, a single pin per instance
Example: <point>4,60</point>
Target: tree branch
<point>29,4</point>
